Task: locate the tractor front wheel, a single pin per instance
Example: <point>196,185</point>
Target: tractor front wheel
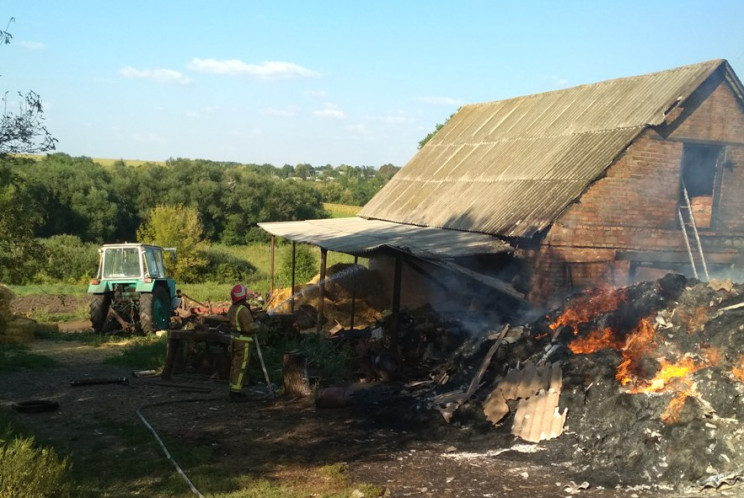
<point>99,307</point>
<point>154,310</point>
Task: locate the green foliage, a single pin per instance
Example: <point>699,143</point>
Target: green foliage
<point>226,268</point>
<point>19,218</point>
<point>68,260</point>
<point>306,264</point>
<point>428,137</point>
<point>179,227</point>
<point>16,357</point>
<point>23,131</point>
<point>28,470</point>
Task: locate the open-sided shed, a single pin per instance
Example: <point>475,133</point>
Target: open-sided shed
<point>605,183</point>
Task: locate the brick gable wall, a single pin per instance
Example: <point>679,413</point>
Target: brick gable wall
<point>631,212</point>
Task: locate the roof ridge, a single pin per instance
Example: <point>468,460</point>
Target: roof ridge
<point>713,63</point>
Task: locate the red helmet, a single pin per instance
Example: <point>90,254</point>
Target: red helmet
<point>238,293</point>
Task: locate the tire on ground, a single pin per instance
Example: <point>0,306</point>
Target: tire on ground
<point>99,307</point>
<point>154,310</point>
<point>35,406</point>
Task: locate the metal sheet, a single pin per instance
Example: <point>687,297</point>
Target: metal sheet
<point>360,236</point>
<point>511,167</point>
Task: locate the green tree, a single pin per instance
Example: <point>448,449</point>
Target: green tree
<point>431,135</point>
<point>306,264</point>
<point>19,217</point>
<point>179,227</point>
<point>23,131</point>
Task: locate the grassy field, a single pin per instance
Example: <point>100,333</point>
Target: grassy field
<point>100,160</point>
<point>341,210</point>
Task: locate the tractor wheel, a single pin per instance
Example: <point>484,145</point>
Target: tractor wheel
<point>154,310</point>
<point>99,307</point>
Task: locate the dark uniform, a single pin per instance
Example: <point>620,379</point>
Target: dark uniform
<point>241,321</point>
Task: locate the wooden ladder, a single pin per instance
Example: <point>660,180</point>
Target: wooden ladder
<point>689,222</point>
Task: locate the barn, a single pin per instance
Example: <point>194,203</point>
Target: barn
<point>544,195</point>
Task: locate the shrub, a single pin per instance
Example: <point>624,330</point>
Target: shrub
<point>306,264</point>
<point>225,268</point>
<point>30,471</point>
<point>67,260</point>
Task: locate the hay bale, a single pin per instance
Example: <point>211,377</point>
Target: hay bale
<point>337,296</point>
<point>6,296</point>
<point>18,330</point>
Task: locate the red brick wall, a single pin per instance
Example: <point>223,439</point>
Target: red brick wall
<point>634,206</point>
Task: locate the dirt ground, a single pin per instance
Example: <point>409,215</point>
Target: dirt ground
<point>277,438</point>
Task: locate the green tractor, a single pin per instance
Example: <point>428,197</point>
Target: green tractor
<point>131,287</point>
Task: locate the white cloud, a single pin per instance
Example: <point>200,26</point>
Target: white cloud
<point>330,111</point>
<point>316,93</point>
<point>264,70</point>
<point>158,75</point>
<point>440,100</point>
<point>287,112</point>
<point>31,45</point>
<point>557,80</point>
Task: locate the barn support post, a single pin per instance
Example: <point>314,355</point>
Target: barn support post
<point>396,303</point>
<point>353,292</point>
<point>271,266</point>
<point>294,265</point>
<point>321,288</point>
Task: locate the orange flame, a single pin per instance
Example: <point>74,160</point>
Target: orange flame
<point>596,340</point>
<point>590,305</point>
<point>672,412</point>
<point>668,373</point>
<point>738,371</point>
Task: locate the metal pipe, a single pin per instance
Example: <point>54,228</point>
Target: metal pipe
<point>353,292</point>
<point>321,289</point>
<point>271,271</point>
<point>294,266</point>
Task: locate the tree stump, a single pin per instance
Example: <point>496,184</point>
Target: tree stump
<point>294,372</point>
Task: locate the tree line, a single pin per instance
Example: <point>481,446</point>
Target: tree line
<point>56,195</point>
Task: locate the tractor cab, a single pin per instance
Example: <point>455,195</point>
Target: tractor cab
<point>132,286</point>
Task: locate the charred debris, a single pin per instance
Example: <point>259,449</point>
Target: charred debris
<point>635,385</point>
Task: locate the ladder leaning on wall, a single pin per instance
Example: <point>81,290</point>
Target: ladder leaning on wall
<point>688,225</point>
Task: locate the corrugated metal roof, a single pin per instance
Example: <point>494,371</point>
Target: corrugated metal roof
<point>359,236</point>
<point>511,167</point>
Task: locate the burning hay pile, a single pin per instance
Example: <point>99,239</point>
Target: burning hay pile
<point>637,385</point>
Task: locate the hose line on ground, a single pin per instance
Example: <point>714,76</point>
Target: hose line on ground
<point>162,445</point>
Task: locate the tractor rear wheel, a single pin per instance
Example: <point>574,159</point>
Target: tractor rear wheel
<point>99,307</point>
<point>154,310</point>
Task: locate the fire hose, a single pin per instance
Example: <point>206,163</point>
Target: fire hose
<point>162,444</point>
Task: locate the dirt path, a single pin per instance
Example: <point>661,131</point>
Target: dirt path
<point>281,438</point>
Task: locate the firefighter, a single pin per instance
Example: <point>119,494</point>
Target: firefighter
<point>241,322</point>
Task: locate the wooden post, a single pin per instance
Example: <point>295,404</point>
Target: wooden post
<point>271,267</point>
<point>353,292</point>
<point>294,261</point>
<point>396,303</point>
<point>321,288</point>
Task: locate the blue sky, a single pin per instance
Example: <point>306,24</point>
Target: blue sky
<point>325,82</point>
